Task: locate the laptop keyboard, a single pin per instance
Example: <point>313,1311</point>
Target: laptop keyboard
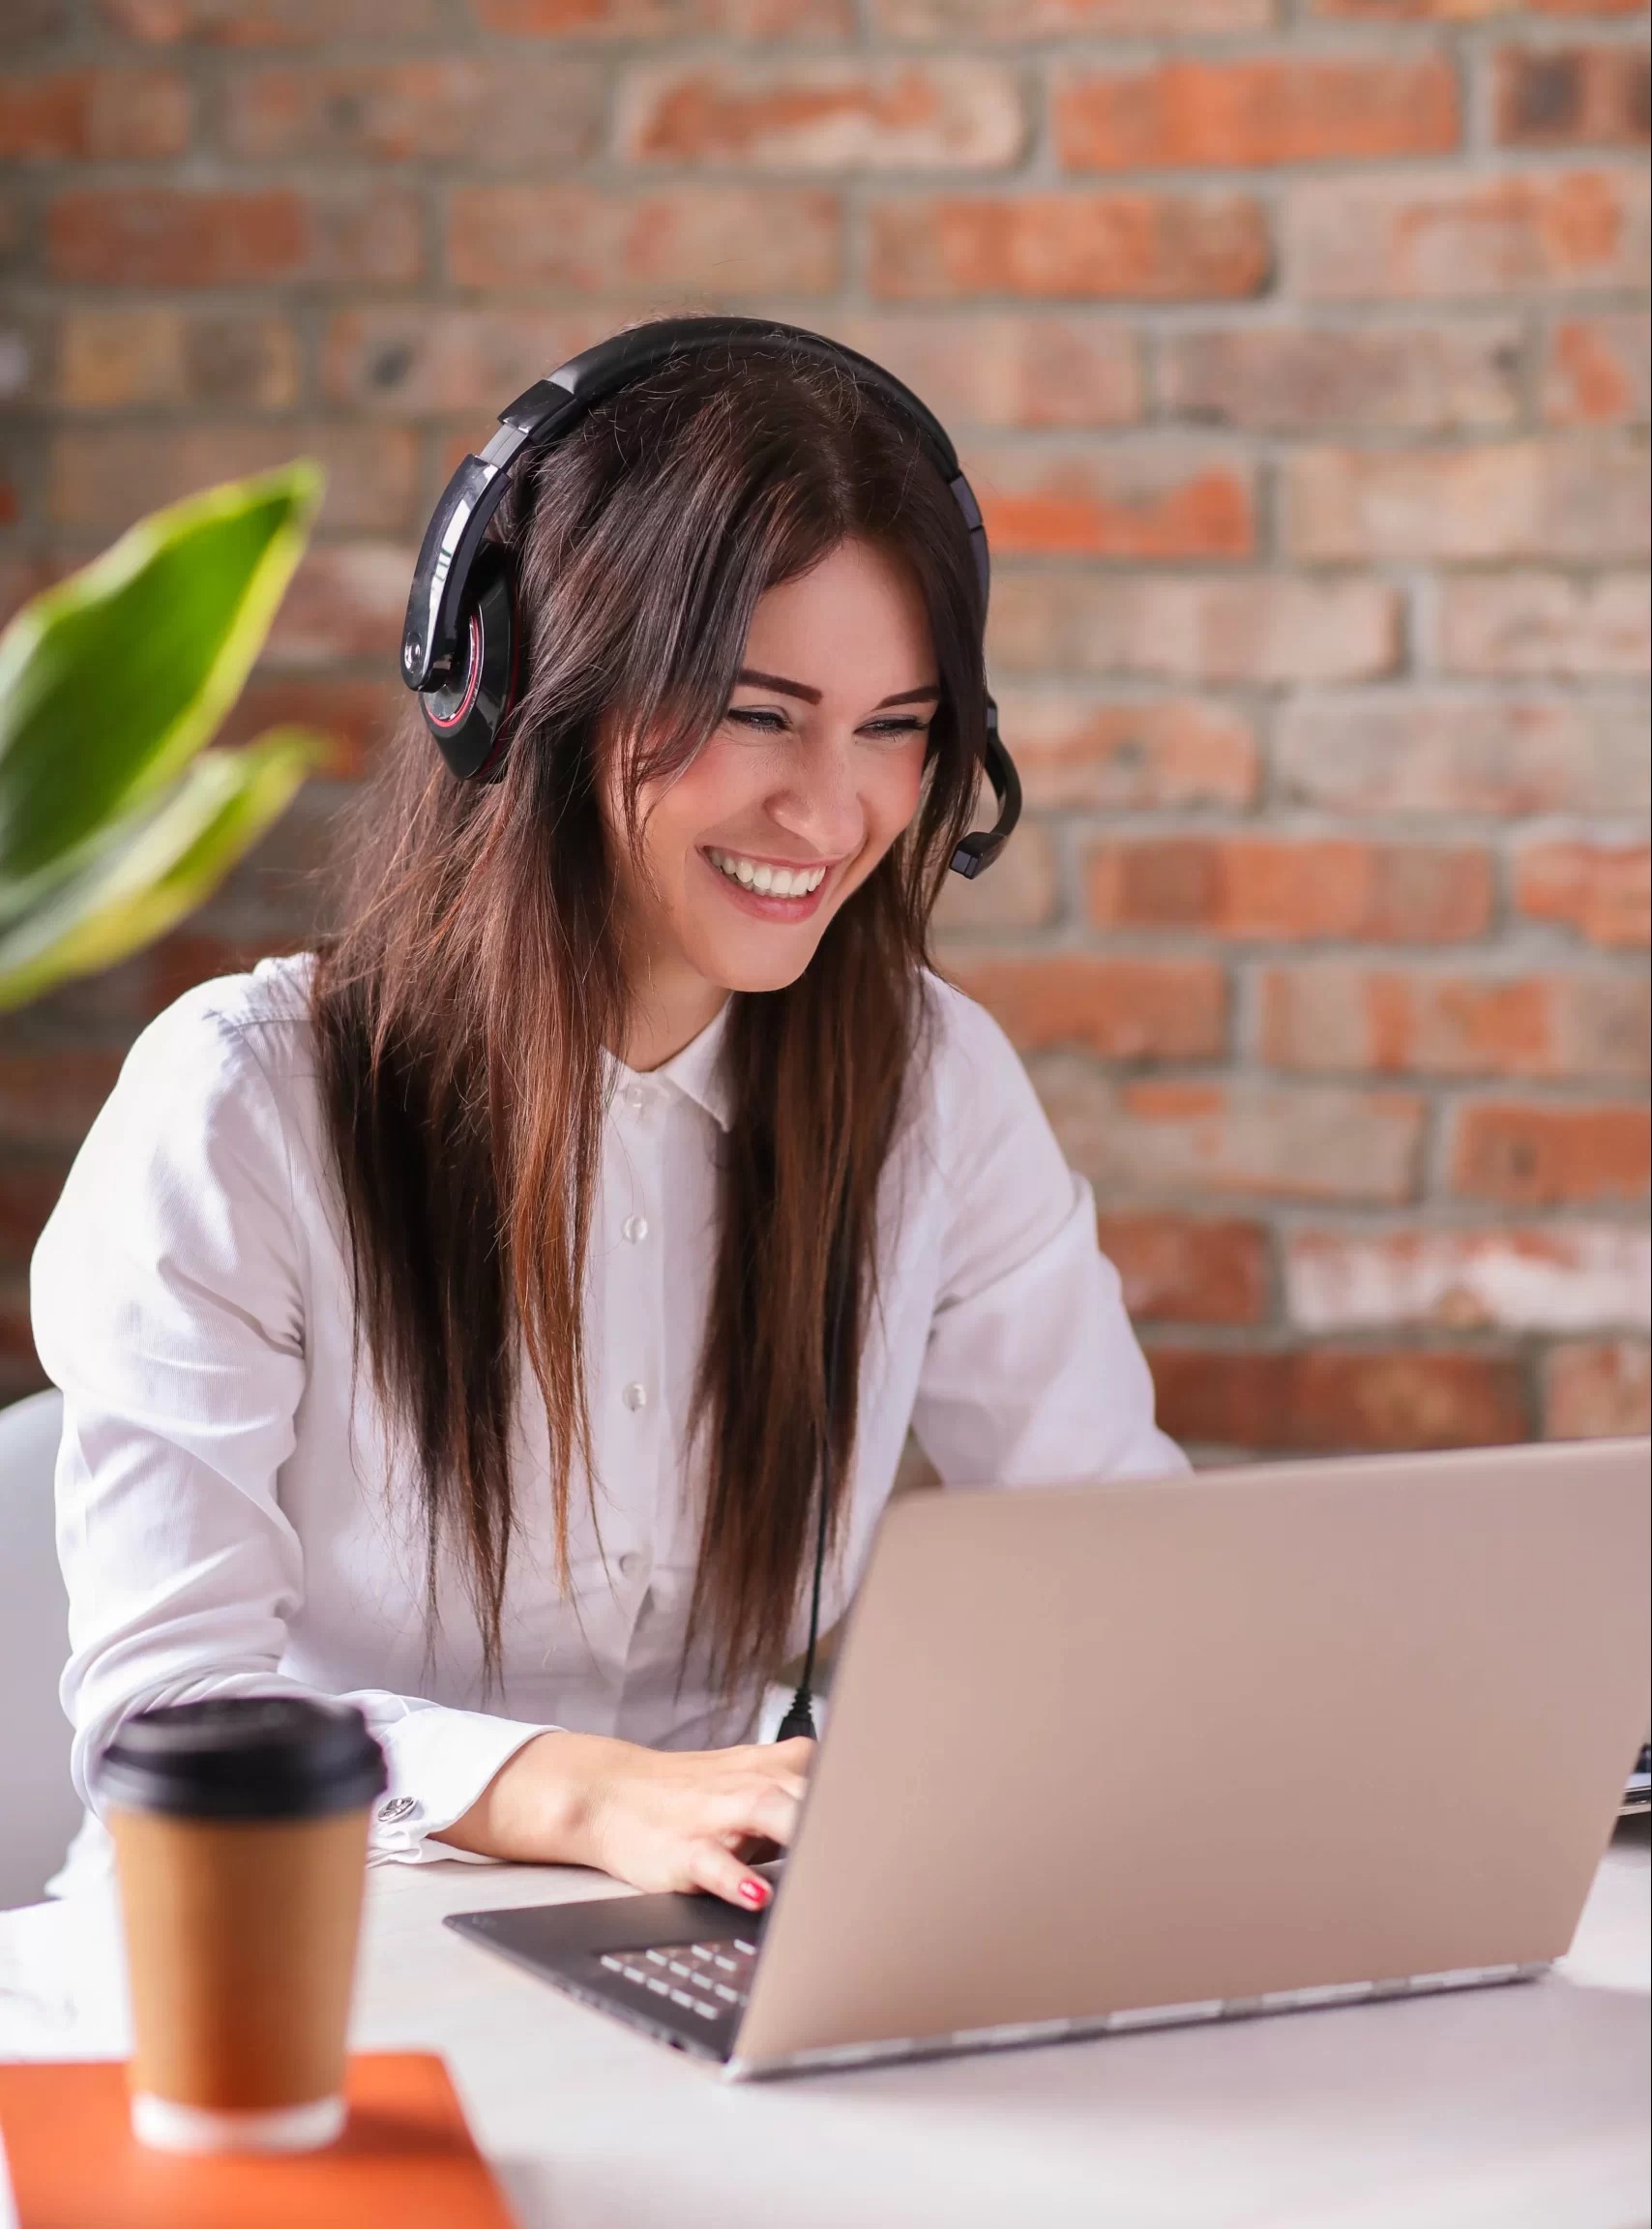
<point>711,1978</point>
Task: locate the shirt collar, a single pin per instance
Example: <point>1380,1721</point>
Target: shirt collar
<point>697,1071</point>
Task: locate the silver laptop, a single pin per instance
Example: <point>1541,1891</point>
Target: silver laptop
<point>1108,1757</point>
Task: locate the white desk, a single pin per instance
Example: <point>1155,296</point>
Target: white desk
<point>1513,2108</point>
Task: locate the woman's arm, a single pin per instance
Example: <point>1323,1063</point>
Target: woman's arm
<point>168,1305</point>
<point>1032,1373</point>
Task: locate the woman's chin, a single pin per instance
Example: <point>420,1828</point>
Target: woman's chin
<point>767,962</point>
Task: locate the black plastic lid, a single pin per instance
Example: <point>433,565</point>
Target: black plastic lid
<point>244,1757</point>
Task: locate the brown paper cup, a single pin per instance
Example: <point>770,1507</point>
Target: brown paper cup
<point>241,1930</point>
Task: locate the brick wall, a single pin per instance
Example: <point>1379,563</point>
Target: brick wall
<point>1299,351</point>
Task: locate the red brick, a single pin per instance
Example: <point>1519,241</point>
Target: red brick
<point>1596,370</point>
<point>1122,1009</point>
<point>347,599</point>
<point>1464,238</point>
<point>48,1099</point>
<point>93,115</point>
<point>1261,628</point>
<point>1549,1154</point>
<point>1189,1269</point>
<point>737,239</point>
<point>103,478</point>
<point>28,1192</point>
<point>1110,502</point>
<point>1279,887</point>
<point>1546,623</point>
<point>269,22</point>
<point>1333,1014</point>
<point>427,359</point>
<point>1597,1389</point>
<point>523,112</point>
<point>171,236</point>
<point>1555,1277</point>
<point>1020,20</point>
<point>1176,1142</point>
<point>994,368</point>
<point>1075,753</point>
<point>1447,753</point>
<point>1121,245</point>
<point>1176,115</point>
<point>1296,377</point>
<point>163,358</point>
<point>1570,96</point>
<point>357,716</point>
<point>1020,893</point>
<point>822,113</point>
<point>1582,499</point>
<point>1602,890</point>
<point>654,19</point>
<point>1326,1400</point>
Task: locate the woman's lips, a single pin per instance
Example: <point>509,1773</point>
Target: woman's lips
<point>762,905</point>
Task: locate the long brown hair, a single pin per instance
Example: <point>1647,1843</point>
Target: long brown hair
<point>462,1015</point>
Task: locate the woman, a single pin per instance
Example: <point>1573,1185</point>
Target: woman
<point>441,1315</point>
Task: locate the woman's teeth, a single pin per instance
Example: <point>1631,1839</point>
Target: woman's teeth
<point>775,881</point>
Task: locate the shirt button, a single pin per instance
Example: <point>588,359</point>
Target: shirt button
<point>635,1098</point>
<point>635,1230</point>
<point>398,1807</point>
<point>634,1396</point>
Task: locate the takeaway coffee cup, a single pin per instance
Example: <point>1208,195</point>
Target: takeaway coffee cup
<point>241,1827</point>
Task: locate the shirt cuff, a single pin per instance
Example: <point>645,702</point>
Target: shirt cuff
<point>439,1762</point>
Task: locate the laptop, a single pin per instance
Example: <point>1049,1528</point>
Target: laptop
<point>1110,1757</point>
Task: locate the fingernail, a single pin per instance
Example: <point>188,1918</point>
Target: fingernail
<point>754,1893</point>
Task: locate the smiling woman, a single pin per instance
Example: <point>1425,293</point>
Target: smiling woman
<point>479,1315</point>
<point>792,802</point>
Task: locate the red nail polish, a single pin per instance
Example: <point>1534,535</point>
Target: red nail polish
<point>754,1893</point>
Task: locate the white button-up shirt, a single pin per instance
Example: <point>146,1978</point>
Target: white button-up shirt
<point>231,1514</point>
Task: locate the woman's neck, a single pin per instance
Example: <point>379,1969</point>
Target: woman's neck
<point>669,1010</point>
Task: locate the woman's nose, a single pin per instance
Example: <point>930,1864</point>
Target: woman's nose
<point>821,806</point>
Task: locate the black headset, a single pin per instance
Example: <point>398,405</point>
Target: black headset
<point>461,643</point>
<point>461,647</point>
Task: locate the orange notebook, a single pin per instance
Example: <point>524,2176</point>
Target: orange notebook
<point>406,2156</point>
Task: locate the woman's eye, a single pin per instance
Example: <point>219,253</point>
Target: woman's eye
<point>892,730</point>
<point>763,721</point>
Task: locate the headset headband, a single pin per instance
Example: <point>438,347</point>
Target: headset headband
<point>442,641</point>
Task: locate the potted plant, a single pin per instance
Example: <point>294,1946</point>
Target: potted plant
<point>116,820</point>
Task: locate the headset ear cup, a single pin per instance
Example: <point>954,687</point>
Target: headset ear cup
<point>466,713</point>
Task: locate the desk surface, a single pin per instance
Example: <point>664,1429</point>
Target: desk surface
<point>1515,2109</point>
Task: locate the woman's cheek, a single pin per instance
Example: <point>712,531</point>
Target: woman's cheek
<point>901,793</point>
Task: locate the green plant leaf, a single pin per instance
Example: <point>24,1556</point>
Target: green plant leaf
<point>155,863</point>
<point>112,680</point>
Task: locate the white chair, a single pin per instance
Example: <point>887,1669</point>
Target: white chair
<point>39,1810</point>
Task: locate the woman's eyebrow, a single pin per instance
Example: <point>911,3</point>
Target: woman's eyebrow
<point>813,696</point>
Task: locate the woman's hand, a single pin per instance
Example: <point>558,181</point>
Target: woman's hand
<point>657,1818</point>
